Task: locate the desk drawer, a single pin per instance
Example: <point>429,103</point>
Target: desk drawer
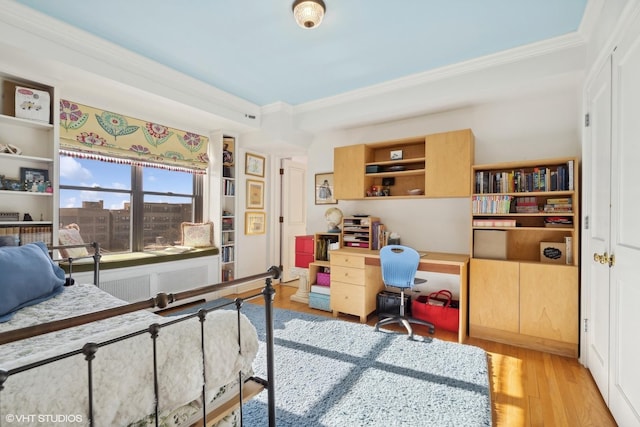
<point>354,276</point>
<point>347,260</point>
<point>346,298</point>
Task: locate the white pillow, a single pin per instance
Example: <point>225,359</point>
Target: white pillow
<point>197,235</point>
<point>71,236</point>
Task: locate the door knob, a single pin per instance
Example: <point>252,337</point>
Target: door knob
<point>599,258</point>
<point>605,258</point>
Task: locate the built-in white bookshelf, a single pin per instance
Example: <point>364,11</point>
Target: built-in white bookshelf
<point>228,210</point>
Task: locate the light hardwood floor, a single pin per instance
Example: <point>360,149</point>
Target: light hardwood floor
<point>528,387</point>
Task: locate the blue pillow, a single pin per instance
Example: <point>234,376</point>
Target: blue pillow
<point>27,276</point>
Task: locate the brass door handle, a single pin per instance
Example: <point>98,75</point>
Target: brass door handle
<point>604,259</point>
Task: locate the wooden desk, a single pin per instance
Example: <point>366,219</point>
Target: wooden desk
<point>356,280</point>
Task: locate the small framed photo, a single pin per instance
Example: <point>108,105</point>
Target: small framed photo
<point>254,223</point>
<point>228,149</point>
<point>255,194</point>
<point>396,154</point>
<point>324,189</point>
<point>34,179</point>
<point>254,165</point>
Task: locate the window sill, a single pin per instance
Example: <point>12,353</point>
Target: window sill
<point>132,259</point>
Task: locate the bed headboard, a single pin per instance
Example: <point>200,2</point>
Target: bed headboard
<point>68,255</point>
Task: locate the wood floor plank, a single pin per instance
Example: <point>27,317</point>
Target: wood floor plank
<point>528,387</point>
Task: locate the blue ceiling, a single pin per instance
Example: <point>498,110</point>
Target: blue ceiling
<point>253,49</point>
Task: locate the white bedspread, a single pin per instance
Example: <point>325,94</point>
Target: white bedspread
<point>123,372</point>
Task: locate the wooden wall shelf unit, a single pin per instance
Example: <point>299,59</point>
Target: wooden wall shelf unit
<point>518,295</point>
<point>435,165</point>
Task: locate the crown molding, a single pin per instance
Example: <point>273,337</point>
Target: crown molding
<point>509,56</point>
<point>590,18</point>
<point>58,41</point>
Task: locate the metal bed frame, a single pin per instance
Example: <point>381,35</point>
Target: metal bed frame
<point>160,301</point>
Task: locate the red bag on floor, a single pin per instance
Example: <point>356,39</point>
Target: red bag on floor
<point>438,308</point>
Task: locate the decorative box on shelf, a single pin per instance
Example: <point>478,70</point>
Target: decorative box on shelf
<point>319,301</point>
<point>323,279</point>
<point>9,216</point>
<point>27,103</point>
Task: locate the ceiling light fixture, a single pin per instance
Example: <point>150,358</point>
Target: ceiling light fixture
<point>308,13</point>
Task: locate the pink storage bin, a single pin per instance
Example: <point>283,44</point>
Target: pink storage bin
<point>323,279</point>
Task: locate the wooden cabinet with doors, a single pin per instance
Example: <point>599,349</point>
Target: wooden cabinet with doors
<point>435,165</point>
<point>523,282</point>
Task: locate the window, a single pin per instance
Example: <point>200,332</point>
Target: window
<point>126,207</point>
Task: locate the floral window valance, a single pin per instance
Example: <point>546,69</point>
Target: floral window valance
<point>103,135</point>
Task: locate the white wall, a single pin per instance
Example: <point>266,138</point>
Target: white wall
<point>541,125</point>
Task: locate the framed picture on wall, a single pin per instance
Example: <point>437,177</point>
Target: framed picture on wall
<point>254,165</point>
<point>254,223</point>
<point>324,189</point>
<point>255,194</point>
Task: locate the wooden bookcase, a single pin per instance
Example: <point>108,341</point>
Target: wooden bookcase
<point>523,282</point>
<point>37,140</point>
<point>435,165</point>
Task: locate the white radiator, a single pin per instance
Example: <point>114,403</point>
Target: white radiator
<point>129,289</point>
<point>183,279</point>
<point>142,282</point>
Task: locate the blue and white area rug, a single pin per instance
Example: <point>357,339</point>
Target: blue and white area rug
<point>330,372</point>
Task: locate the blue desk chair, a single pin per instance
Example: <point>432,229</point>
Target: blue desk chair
<point>399,265</point>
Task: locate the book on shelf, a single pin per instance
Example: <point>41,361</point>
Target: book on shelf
<point>570,173</point>
<point>526,204</point>
<point>494,223</point>
<point>534,179</point>
<point>494,204</point>
<point>21,235</point>
<point>558,221</point>
<point>559,200</point>
<point>227,274</point>
<point>568,241</point>
<point>9,236</point>
<point>562,204</point>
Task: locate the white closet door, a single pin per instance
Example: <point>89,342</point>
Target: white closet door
<point>597,175</point>
<point>624,389</point>
<point>294,211</point>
